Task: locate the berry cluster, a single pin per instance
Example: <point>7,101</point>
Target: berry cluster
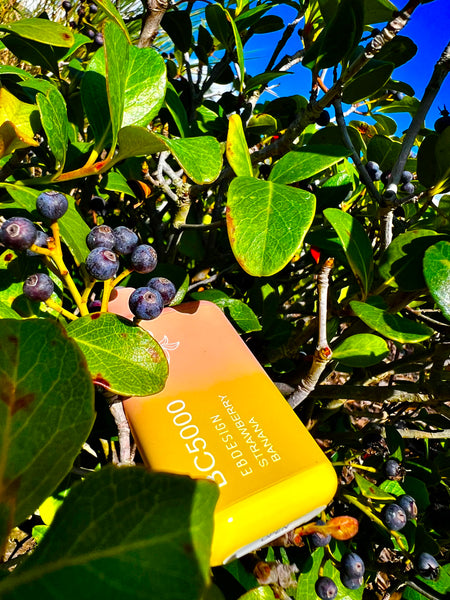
<point>397,514</point>
<point>84,12</point>
<point>376,174</point>
<point>352,571</point>
<point>102,263</point>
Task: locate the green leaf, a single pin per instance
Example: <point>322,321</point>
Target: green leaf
<point>383,151</point>
<point>138,141</point>
<point>95,98</point>
<point>377,11</point>
<point>219,24</point>
<point>46,411</point>
<point>17,123</point>
<point>436,269</point>
<point>54,120</point>
<point>361,350</point>
<point>306,162</point>
<point>399,51</point>
<point>177,110</point>
<point>145,86</point>
<point>442,153</point>
<point>236,149</point>
<point>116,72</point>
<point>369,80</point>
<point>111,11</point>
<point>11,70</point>
<point>262,124</point>
<point>399,263</point>
<point>394,327</point>
<point>370,490</point>
<point>239,51</point>
<point>331,135</point>
<point>42,31</point>
<point>385,125</point>
<point>262,592</point>
<point>36,53</point>
<point>200,157</point>
<point>117,519</point>
<point>408,104</point>
<point>267,223</point>
<point>114,181</point>
<point>356,245</point>
<point>241,314</point>
<point>251,16</point>
<point>428,169</point>
<point>262,79</point>
<point>177,24</point>
<point>121,357</point>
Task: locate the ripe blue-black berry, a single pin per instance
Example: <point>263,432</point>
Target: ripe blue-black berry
<point>427,566</point>
<point>66,5</point>
<point>165,287</point>
<point>38,287</point>
<point>393,469</point>
<point>18,233</point>
<point>325,588</point>
<point>352,565</point>
<point>408,188</point>
<point>406,177</point>
<point>144,258</point>
<point>397,95</point>
<point>323,119</point>
<point>374,171</point>
<point>409,505</point>
<point>98,39</point>
<point>394,517</point>
<point>93,8</point>
<point>102,263</point>
<point>52,205</point>
<point>319,539</point>
<point>101,235</point>
<point>443,122</point>
<point>41,241</point>
<point>351,583</point>
<point>125,240</point>
<point>91,34</point>
<point>145,303</point>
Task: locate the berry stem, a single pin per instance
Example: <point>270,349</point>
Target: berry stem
<point>108,287</point>
<point>122,276</point>
<point>87,291</point>
<point>52,304</point>
<point>349,463</point>
<point>43,251</point>
<point>368,512</point>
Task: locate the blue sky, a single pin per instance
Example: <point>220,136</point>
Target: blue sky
<point>429,28</point>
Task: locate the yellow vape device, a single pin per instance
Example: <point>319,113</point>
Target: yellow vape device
<point>220,417</point>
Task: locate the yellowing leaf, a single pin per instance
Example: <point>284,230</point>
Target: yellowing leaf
<point>16,123</point>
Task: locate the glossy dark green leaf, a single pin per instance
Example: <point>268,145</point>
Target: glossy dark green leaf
<point>267,223</point>
<point>35,53</point>
<point>383,151</point>
<point>400,86</point>
<point>378,11</point>
<point>306,162</point>
<point>394,327</point>
<point>442,153</point>
<point>407,105</point>
<point>41,30</point>
<point>399,265</point>
<point>46,411</point>
<point>145,86</point>
<point>116,73</point>
<point>370,79</point>
<point>399,50</point>
<point>370,490</point>
<point>436,268</point>
<point>113,521</point>
<point>239,51</point>
<point>11,70</point>
<point>385,125</point>
<point>177,110</point>
<point>262,592</point>
<point>138,141</point>
<point>361,350</point>
<point>54,120</point>
<point>262,79</point>
<point>94,97</point>
<point>237,152</point>
<point>116,182</point>
<point>121,357</point>
<point>177,24</point>
<point>356,245</point>
<point>241,314</point>
<point>268,24</point>
<point>428,169</point>
<point>331,135</point>
<point>251,16</point>
<point>216,17</point>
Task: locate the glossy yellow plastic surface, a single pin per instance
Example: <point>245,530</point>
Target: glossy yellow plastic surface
<point>220,417</point>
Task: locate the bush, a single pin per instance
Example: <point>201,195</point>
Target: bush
<point>324,239</point>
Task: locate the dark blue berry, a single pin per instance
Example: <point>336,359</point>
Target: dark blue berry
<point>408,188</point>
<point>18,233</point>
<point>52,205</point>
<point>443,122</point>
<point>165,287</point>
<point>66,5</point>
<point>38,287</point>
<point>125,240</point>
<point>93,8</point>
<point>394,517</point>
<point>144,258</point>
<point>393,469</point>
<point>427,566</point>
<point>406,177</point>
<point>98,39</point>
<point>41,241</point>
<point>320,539</point>
<point>102,263</point>
<point>325,588</point>
<point>91,34</point>
<point>352,565</point>
<point>101,235</point>
<point>372,165</point>
<point>351,583</point>
<point>323,119</point>
<point>145,303</point>
<point>409,505</point>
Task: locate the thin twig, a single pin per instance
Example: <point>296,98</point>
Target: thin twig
<point>155,10</point>
<point>123,431</point>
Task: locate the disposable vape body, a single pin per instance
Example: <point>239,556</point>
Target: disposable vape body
<point>220,417</point>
